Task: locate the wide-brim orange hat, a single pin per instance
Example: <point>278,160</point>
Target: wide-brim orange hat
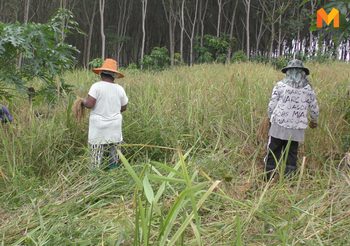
<point>109,65</point>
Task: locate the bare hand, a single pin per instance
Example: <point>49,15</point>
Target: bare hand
<point>312,124</point>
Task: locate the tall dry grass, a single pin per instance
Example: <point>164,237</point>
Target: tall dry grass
<point>49,194</point>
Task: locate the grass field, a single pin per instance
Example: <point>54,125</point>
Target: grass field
<point>192,170</point>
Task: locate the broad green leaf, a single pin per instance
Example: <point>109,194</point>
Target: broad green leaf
<point>148,189</point>
<point>165,179</point>
<point>130,170</point>
<point>179,204</point>
<point>184,225</point>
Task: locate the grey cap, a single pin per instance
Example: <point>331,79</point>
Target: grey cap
<point>295,64</point>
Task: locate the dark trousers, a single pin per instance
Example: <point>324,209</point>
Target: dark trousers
<point>275,149</point>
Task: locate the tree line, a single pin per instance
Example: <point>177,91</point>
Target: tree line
<point>192,30</point>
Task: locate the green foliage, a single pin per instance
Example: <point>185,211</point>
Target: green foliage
<point>177,59</point>
<point>216,45</point>
<point>41,48</point>
<point>259,59</point>
<point>239,56</point>
<point>279,62</point>
<point>322,58</point>
<point>63,24</point>
<point>205,56</point>
<point>157,60</point>
<point>132,69</point>
<point>149,210</point>
<point>97,62</point>
<point>52,90</point>
<point>337,35</point>
<point>213,49</point>
<point>132,66</point>
<point>343,32</point>
<point>221,58</point>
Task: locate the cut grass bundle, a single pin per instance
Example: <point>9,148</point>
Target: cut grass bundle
<point>263,130</point>
<point>78,109</point>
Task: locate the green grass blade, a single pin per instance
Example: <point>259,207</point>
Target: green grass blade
<point>130,170</point>
<point>190,217</point>
<point>148,189</point>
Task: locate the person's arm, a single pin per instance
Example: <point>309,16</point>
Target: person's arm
<point>93,94</point>
<point>273,101</point>
<point>88,102</point>
<point>123,100</point>
<point>314,110</point>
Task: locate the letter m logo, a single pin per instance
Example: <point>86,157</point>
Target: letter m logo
<point>328,18</point>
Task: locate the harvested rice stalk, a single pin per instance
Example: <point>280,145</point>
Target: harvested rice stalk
<point>78,109</point>
<point>263,130</point>
<point>2,175</point>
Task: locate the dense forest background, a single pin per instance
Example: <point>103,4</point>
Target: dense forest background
<point>192,31</point>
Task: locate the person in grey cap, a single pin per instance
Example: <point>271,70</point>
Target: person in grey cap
<point>292,100</point>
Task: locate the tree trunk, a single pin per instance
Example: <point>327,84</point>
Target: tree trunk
<point>182,25</point>
<point>172,39</point>
<point>193,23</point>
<point>25,21</point>
<point>170,16</point>
<point>247,7</point>
<point>103,37</point>
<point>124,12</point>
<point>272,39</point>
<point>310,33</point>
<point>91,28</point>
<point>63,5</point>
<point>26,11</point>
<point>243,36</point>
<point>270,14</point>
<point>144,12</point>
<point>202,18</point>
<point>279,35</point>
<point>261,32</point>
<point>85,51</point>
<point>298,41</point>
<point>232,24</point>
<point>272,30</point>
<point>90,19</point>
<point>219,18</point>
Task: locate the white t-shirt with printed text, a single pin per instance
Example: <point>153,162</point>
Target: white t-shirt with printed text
<point>105,123</point>
<point>289,106</point>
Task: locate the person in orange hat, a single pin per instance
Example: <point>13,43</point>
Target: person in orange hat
<point>107,100</point>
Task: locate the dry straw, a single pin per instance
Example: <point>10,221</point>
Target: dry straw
<point>78,109</point>
<point>263,130</point>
